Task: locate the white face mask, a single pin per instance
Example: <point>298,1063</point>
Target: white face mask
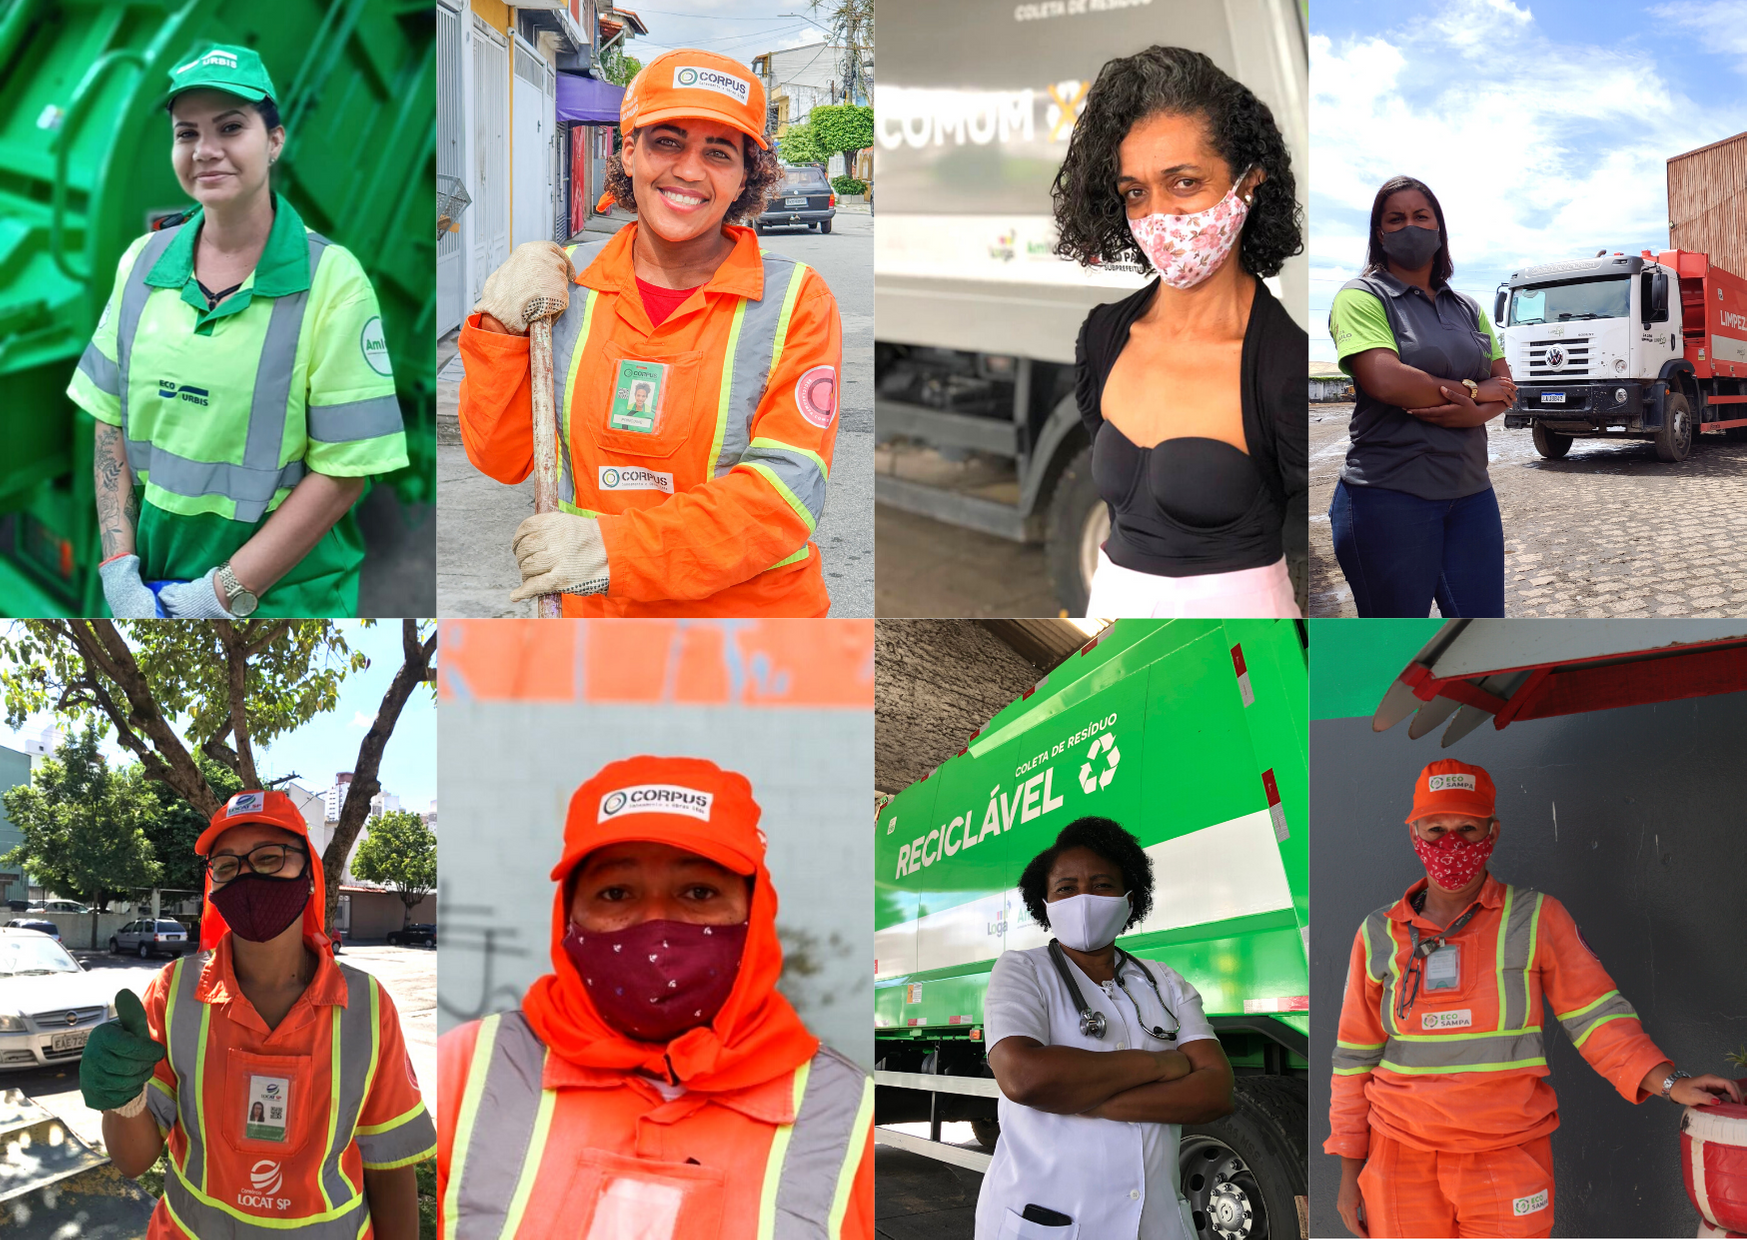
<point>1086,923</point>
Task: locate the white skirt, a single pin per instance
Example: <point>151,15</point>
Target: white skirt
<point>1249,593</point>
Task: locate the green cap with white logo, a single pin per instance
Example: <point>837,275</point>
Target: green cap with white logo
<point>235,70</point>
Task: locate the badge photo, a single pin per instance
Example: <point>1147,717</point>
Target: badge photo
<point>638,389</point>
<point>269,1108</point>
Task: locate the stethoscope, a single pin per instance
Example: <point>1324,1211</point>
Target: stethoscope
<point>1092,1022</point>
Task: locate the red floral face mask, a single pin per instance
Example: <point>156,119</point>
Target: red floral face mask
<point>657,979</point>
<point>1452,862</point>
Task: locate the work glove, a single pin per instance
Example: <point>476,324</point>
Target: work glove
<point>129,598</point>
<point>194,600</point>
<point>560,554</point>
<point>533,284</point>
<point>119,1059</point>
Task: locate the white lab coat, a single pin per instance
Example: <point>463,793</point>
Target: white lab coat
<point>1116,1180</point>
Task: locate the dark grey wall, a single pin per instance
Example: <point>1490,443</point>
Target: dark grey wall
<point>1650,857</point>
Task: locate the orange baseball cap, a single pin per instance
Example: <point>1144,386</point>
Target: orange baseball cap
<point>690,803</point>
<point>1451,787</point>
<point>692,83</point>
<point>276,809</point>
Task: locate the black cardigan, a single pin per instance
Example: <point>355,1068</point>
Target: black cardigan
<point>1276,357</point>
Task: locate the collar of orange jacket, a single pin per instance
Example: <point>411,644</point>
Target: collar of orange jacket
<point>1491,896</point>
<point>218,977</point>
<point>741,273</point>
<point>756,1037</point>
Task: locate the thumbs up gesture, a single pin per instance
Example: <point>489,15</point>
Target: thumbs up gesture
<point>119,1058</point>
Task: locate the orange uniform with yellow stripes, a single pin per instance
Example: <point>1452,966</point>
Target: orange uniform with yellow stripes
<point>337,1070</point>
<point>1464,1069</point>
<point>709,483</point>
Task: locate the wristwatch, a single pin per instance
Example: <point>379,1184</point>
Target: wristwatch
<point>1473,389</point>
<point>1668,1082</point>
<point>237,599</point>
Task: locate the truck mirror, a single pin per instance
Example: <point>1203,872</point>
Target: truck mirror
<point>1498,307</point>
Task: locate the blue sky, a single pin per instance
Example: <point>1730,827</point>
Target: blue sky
<point>329,743</point>
<point>1544,126</point>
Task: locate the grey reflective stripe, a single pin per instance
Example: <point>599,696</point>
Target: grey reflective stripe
<point>820,1144</point>
<point>1353,1059</point>
<point>103,373</point>
<point>183,1019</point>
<point>356,1028</point>
<point>509,1103</point>
<point>209,1222</point>
<point>252,484</point>
<point>799,472</point>
<point>753,350</point>
<point>1522,911</point>
<point>160,1104</point>
<point>354,420</point>
<point>1452,1052</point>
<point>1585,1021</point>
<point>566,329</point>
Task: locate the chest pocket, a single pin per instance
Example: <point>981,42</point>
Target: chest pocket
<point>617,1197</point>
<point>677,395</point>
<point>252,1083</point>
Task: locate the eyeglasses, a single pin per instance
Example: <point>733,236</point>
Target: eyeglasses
<point>267,859</point>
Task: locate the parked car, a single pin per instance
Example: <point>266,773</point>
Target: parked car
<point>60,906</point>
<point>418,934</point>
<point>804,200</point>
<point>146,937</point>
<point>48,1003</point>
<point>41,927</point>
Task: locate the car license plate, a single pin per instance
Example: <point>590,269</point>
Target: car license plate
<point>70,1041</point>
<point>794,202</point>
<point>1552,398</point>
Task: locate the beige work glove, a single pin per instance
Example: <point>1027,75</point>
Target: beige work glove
<point>560,553</point>
<point>534,283</point>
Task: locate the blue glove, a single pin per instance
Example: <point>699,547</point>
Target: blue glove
<point>194,600</point>
<point>127,596</point>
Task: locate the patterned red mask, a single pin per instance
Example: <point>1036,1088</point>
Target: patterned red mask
<point>1452,862</point>
<point>657,979</point>
<point>258,907</point>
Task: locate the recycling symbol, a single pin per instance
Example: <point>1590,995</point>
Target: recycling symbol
<point>1090,782</point>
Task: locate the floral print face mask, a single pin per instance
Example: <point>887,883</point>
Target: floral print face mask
<point>1186,249</point>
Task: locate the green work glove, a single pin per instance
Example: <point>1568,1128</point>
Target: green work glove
<point>119,1058</point>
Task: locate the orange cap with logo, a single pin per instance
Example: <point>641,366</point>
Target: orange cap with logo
<point>1451,787</point>
<point>690,803</point>
<point>276,809</point>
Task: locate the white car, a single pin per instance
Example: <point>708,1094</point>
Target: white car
<point>48,1003</point>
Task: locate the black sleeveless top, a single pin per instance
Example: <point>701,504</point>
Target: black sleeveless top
<point>1191,506</point>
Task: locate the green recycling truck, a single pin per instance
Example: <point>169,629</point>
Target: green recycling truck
<point>1192,735</point>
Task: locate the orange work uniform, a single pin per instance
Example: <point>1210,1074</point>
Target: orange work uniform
<point>269,1130</point>
<point>1462,1071</point>
<point>702,445</point>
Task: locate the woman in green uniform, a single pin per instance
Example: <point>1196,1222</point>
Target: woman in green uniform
<point>239,376</point>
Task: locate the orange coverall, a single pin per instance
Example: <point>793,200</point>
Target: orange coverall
<point>728,543</point>
<point>1450,1105</point>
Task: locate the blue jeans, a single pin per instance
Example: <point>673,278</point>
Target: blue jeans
<point>1400,552</point>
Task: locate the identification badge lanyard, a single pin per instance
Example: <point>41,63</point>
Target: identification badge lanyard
<point>639,390</point>
<point>1442,975</point>
<point>268,1102</point>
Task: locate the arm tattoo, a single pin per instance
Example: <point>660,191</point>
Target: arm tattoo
<point>117,510</point>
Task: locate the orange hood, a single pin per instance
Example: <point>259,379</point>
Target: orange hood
<point>692,804</point>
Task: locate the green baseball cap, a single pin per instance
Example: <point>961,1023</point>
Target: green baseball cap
<point>235,70</point>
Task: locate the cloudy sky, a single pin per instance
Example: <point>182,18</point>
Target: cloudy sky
<point>738,28</point>
<point>1543,126</point>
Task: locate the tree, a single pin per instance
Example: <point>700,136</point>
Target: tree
<point>844,127</point>
<point>177,828</point>
<point>237,683</point>
<point>618,67</point>
<point>84,825</point>
<point>400,853</point>
<point>799,145</point>
<point>852,30</point>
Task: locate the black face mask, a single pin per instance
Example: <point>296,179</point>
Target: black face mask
<point>1411,247</point>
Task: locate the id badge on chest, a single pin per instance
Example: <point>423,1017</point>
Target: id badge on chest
<point>1444,968</point>
<point>639,390</point>
<point>269,1108</point>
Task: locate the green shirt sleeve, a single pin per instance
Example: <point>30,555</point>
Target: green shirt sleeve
<point>96,385</point>
<point>1357,322</point>
<point>353,417</point>
<point>1491,337</point>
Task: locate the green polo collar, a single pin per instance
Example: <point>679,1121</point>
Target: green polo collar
<point>284,265</point>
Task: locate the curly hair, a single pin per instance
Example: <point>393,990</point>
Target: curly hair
<point>764,172</point>
<point>1109,840</point>
<point>1377,260</point>
<point>1091,221</point>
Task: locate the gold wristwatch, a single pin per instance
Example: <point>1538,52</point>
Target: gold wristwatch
<point>238,601</point>
<point>1473,389</point>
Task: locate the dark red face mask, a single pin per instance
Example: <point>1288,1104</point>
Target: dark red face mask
<point>655,980</point>
<point>259,907</point>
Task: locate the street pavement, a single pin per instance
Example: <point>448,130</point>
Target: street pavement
<point>476,516</point>
<point>1608,531</point>
<point>408,974</point>
<point>920,1198</point>
<point>929,568</point>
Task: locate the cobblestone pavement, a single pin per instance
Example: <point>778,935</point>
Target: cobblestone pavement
<point>1608,531</point>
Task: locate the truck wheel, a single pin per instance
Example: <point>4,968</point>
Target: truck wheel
<point>1674,440</point>
<point>987,1132</point>
<point>1242,1175</point>
<point>1078,524</point>
<point>1551,444</point>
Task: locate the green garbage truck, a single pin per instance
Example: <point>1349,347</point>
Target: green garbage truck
<point>1192,734</point>
<point>85,170</point>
